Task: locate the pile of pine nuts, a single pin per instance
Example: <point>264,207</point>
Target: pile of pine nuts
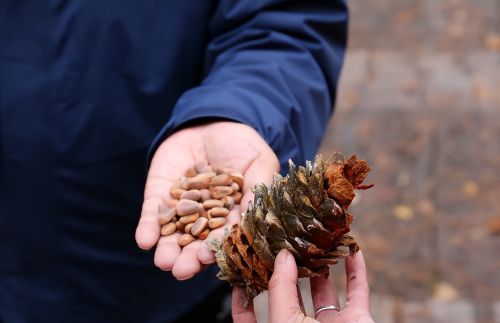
<point>200,202</point>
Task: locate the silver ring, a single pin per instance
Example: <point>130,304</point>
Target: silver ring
<point>325,308</point>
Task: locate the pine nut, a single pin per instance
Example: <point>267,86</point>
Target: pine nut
<point>185,207</point>
<point>193,195</point>
<point>228,202</point>
<point>198,226</point>
<point>236,197</point>
<point>205,195</point>
<point>216,223</point>
<point>176,192</point>
<point>208,204</point>
<point>237,178</point>
<point>235,187</point>
<point>204,234</point>
<point>189,218</point>
<point>190,172</point>
<point>180,226</point>
<point>221,180</point>
<point>168,229</point>
<point>224,170</point>
<point>219,211</point>
<point>208,174</point>
<point>184,184</point>
<point>185,239</point>
<point>167,215</point>
<point>187,228</point>
<point>202,211</point>
<point>221,191</point>
<point>198,182</point>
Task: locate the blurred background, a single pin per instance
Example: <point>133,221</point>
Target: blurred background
<point>419,98</point>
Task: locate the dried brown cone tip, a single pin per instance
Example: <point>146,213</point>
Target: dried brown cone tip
<point>304,212</point>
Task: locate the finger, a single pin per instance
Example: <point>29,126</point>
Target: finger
<point>358,293</point>
<point>260,171</point>
<point>240,313</point>
<point>187,264</point>
<point>148,229</point>
<point>283,298</point>
<point>167,252</point>
<point>165,168</point>
<point>205,254</point>
<point>324,293</point>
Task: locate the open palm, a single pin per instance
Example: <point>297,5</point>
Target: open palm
<point>227,144</point>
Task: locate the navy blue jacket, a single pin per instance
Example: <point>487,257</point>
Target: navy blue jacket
<point>87,87</point>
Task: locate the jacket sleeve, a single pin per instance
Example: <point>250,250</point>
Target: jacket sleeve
<point>273,65</point>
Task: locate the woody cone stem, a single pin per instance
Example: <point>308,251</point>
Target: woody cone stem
<point>304,212</point>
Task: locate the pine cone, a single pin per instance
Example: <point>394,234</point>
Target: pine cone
<point>304,212</point>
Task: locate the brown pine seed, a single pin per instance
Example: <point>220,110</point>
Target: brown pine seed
<point>186,207</point>
<point>187,228</point>
<point>176,184</point>
<point>184,183</point>
<point>190,172</point>
<point>204,234</point>
<point>235,187</point>
<point>189,218</point>
<point>228,202</point>
<point>168,229</point>
<point>208,204</point>
<point>216,223</point>
<point>200,167</point>
<point>171,203</point>
<point>219,211</point>
<point>202,211</point>
<point>224,170</point>
<point>221,180</point>
<point>176,192</point>
<point>167,215</point>
<point>237,178</point>
<point>207,169</point>
<point>198,182</point>
<point>180,226</point>
<point>198,226</point>
<point>193,195</point>
<point>220,191</point>
<point>218,169</point>
<point>237,197</point>
<point>208,174</point>
<point>205,194</point>
<point>185,239</point>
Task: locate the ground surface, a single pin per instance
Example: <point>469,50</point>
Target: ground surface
<point>419,99</point>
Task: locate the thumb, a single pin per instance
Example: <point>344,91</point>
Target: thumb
<point>283,298</point>
<point>261,170</point>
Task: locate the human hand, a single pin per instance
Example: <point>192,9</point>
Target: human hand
<point>284,303</point>
<point>228,144</point>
